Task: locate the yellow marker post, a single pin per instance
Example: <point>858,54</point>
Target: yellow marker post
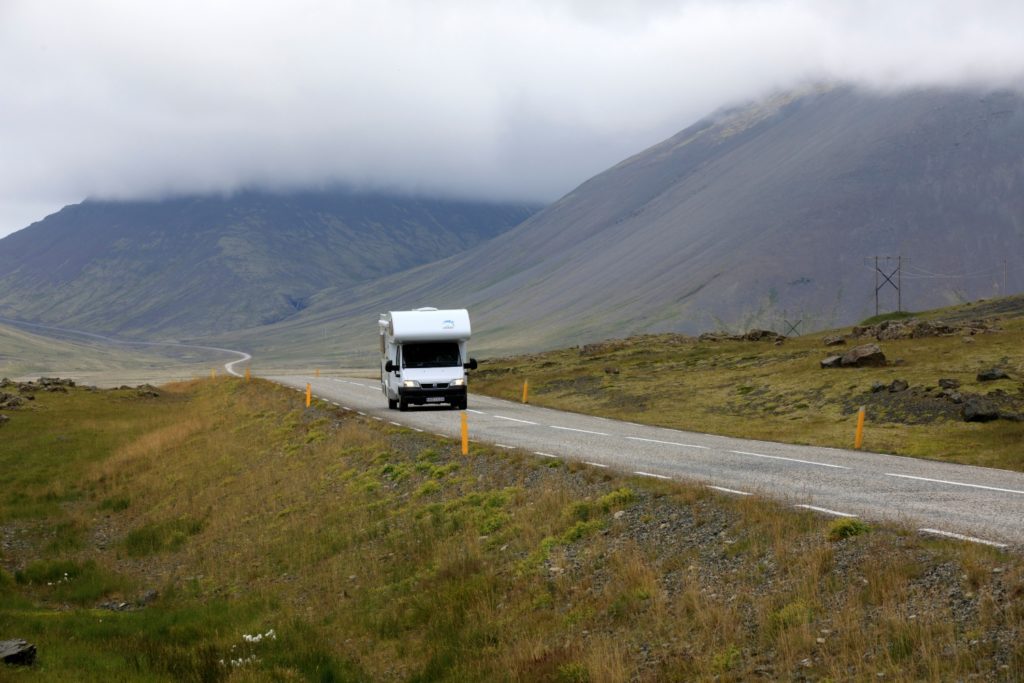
<point>248,376</point>
<point>309,395</point>
<point>213,373</point>
<point>526,390</point>
<point>859,438</point>
<point>317,372</point>
<point>465,434</point>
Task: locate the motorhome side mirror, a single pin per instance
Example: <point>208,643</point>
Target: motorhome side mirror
<point>389,367</point>
<point>471,365</point>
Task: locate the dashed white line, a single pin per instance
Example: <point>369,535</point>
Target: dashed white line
<point>725,490</point>
<point>476,412</point>
<point>826,511</point>
<point>961,537</point>
<point>581,431</point>
<point>955,483</point>
<point>666,443</point>
<point>397,424</point>
<point>649,474</point>
<point>361,412</point>
<point>594,464</point>
<point>779,457</point>
<point>416,429</point>
<point>443,436</point>
<point>378,419</point>
<point>501,445</point>
<point>513,419</point>
<point>546,455</point>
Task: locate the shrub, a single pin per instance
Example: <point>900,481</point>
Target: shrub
<point>845,528</point>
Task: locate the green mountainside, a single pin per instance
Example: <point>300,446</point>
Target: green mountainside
<point>197,265</point>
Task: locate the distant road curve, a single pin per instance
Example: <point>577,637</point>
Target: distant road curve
<point>229,367</point>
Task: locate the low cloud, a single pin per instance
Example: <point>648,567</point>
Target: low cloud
<point>502,99</point>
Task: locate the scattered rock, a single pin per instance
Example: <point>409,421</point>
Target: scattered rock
<point>611,371</point>
<point>46,382</point>
<point>991,375</point>
<point>877,387</point>
<point>978,409</point>
<point>4,420</point>
<point>17,652</point>
<point>5,382</point>
<point>147,597</point>
<point>898,385</point>
<point>10,401</point>
<point>949,383</point>
<point>762,335</point>
<point>832,362</point>
<point>863,355</point>
<point>834,341</point>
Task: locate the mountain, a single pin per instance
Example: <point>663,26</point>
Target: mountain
<point>763,213</point>
<point>198,265</point>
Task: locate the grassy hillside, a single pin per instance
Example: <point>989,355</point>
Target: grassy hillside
<point>757,389</point>
<point>220,531</point>
<point>23,354</point>
<point>188,266</point>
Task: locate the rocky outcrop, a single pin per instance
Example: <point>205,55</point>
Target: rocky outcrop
<point>913,328</point>
<point>978,409</point>
<point>992,374</point>
<point>17,652</point>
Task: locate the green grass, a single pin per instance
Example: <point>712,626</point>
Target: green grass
<point>780,393</point>
<point>374,553</point>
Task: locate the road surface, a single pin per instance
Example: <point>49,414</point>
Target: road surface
<point>978,504</point>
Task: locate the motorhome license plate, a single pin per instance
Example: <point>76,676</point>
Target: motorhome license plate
<point>435,399</point>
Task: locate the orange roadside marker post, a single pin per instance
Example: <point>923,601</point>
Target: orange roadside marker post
<point>858,439</point>
<point>465,434</point>
<point>213,373</point>
<point>526,390</point>
<point>309,395</point>
<point>247,375</point>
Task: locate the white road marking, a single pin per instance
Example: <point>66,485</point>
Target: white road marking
<point>779,457</point>
<point>666,443</point>
<point>955,483</point>
<point>595,464</point>
<point>346,408</point>
<point>477,412</point>
<point>725,490</point>
<point>501,445</point>
<point>361,412</point>
<point>546,455</point>
<point>961,537</point>
<point>581,431</point>
<point>826,511</point>
<point>648,474</point>
<point>415,429</point>
<point>378,419</point>
<point>443,436</point>
<point>397,424</point>
<point>513,419</point>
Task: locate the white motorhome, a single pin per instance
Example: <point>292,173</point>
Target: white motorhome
<point>423,357</point>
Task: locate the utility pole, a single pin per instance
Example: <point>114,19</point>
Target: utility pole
<point>885,277</point>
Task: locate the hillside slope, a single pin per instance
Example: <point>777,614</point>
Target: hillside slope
<point>197,265</point>
<point>752,215</point>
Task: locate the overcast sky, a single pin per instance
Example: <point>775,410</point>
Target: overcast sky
<point>502,99</point>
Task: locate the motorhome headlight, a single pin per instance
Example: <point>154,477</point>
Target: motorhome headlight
<point>410,383</point>
<point>460,382</point>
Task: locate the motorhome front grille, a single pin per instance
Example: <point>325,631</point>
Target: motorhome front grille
<point>435,386</point>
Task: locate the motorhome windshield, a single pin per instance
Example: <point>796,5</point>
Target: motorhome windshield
<point>431,355</point>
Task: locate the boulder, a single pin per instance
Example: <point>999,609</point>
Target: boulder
<point>992,374</point>
<point>4,420</point>
<point>762,335</point>
<point>8,401</point>
<point>949,383</point>
<point>863,355</point>
<point>877,387</point>
<point>17,652</point>
<point>977,409</point>
<point>833,341</point>
<point>898,385</point>
<point>832,362</point>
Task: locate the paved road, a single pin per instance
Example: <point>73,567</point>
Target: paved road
<point>985,505</point>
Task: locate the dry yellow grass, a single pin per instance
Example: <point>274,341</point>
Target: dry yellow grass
<point>378,554</point>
